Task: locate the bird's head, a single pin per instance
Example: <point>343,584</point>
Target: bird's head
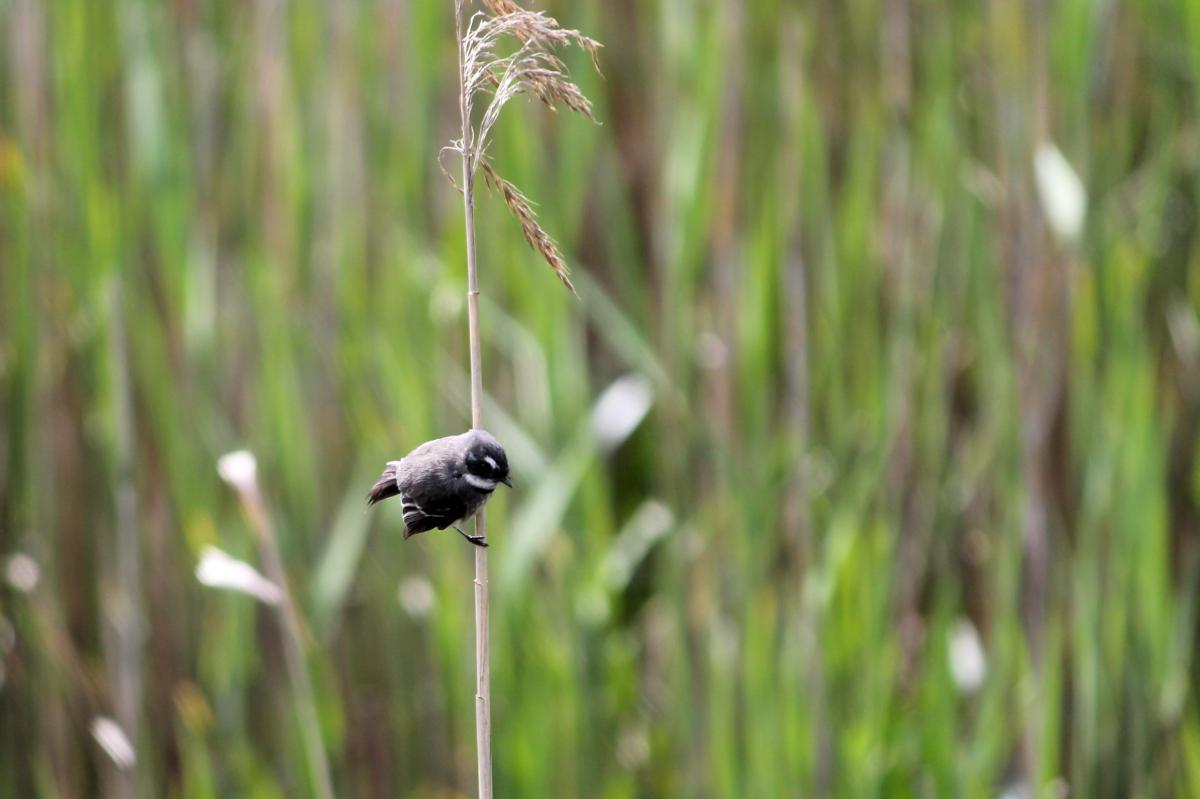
<point>486,460</point>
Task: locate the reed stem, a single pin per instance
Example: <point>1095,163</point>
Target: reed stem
<point>483,709</point>
<point>293,646</point>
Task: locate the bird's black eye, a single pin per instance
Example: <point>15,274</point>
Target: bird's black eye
<point>487,462</point>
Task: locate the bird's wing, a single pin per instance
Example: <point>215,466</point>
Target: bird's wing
<point>433,500</point>
<point>419,517</point>
<point>438,500</point>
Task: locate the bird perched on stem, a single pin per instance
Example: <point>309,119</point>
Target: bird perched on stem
<point>444,482</point>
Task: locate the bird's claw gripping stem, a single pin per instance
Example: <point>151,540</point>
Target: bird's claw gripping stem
<point>477,540</point>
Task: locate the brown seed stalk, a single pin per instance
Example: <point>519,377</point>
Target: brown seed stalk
<point>533,68</point>
<point>535,234</point>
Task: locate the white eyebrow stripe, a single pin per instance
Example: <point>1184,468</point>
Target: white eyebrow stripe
<point>491,461</point>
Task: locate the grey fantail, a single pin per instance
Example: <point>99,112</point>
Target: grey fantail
<point>444,482</point>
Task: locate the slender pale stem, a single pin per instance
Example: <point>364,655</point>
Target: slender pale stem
<point>126,610</point>
<point>483,701</point>
<point>293,646</point>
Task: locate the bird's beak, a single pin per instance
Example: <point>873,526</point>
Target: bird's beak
<point>507,481</point>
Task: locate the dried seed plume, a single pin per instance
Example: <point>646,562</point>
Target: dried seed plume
<point>532,67</point>
<point>535,234</point>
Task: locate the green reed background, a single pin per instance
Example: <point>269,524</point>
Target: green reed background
<point>889,405</point>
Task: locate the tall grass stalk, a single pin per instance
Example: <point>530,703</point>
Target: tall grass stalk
<point>293,649</point>
<point>533,69</point>
<point>483,700</point>
<point>240,471</point>
<point>125,611</point>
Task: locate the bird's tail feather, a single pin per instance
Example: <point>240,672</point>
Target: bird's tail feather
<point>385,486</point>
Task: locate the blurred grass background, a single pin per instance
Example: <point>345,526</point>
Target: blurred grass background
<point>914,510</point>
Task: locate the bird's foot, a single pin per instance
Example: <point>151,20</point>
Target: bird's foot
<point>477,540</point>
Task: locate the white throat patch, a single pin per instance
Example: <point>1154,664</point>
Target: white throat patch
<point>482,483</point>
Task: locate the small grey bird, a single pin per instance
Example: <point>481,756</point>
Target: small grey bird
<point>444,482</point>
